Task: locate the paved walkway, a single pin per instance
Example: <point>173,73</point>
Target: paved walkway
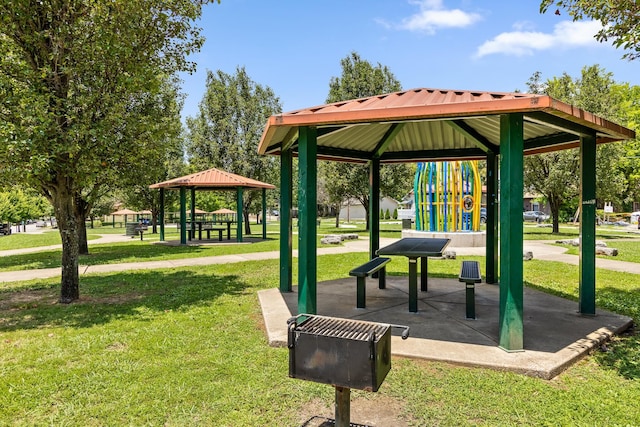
<point>541,250</point>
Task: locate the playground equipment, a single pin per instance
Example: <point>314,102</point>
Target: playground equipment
<point>447,196</point>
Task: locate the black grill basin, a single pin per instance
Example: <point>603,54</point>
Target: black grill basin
<point>341,352</point>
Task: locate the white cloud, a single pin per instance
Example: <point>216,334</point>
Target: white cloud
<point>566,34</point>
<point>433,16</point>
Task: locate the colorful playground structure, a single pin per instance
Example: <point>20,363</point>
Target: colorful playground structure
<point>447,196</point>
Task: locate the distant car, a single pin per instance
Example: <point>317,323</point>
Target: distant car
<point>536,216</point>
<point>483,215</point>
<point>275,212</point>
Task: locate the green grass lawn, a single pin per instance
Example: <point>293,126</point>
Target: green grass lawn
<point>186,346</point>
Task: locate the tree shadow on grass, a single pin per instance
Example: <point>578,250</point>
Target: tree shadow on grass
<point>113,296</point>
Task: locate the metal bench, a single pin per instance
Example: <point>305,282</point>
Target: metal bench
<point>367,269</point>
<point>220,230</point>
<point>470,274</point>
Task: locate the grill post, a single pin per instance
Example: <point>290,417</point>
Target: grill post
<point>343,406</point>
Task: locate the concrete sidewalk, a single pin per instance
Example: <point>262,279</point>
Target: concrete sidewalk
<point>541,250</point>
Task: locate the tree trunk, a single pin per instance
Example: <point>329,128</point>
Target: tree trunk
<point>338,217</point>
<point>83,245</point>
<point>554,205</point>
<point>81,209</point>
<point>154,221</point>
<point>245,217</point>
<point>67,225</point>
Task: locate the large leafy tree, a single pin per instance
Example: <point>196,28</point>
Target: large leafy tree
<point>226,132</point>
<point>70,72</point>
<point>344,181</point>
<point>161,157</point>
<point>555,175</point>
<point>620,20</point>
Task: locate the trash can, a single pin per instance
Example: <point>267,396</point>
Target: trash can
<point>406,223</point>
<point>130,229</point>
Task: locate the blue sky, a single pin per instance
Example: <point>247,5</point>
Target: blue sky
<point>295,46</point>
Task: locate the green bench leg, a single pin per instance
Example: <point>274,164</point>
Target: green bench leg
<point>361,291</point>
<point>471,301</point>
<point>382,278</point>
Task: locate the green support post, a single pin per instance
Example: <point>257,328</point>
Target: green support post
<point>161,215</point>
<point>491,244</point>
<point>374,207</point>
<point>511,234</point>
<point>240,214</point>
<point>183,216</point>
<point>587,292</point>
<point>264,213</point>
<point>192,232</point>
<point>286,234</point>
<point>307,215</point>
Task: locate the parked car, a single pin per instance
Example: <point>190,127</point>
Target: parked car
<point>483,215</point>
<point>536,216</point>
<point>5,229</point>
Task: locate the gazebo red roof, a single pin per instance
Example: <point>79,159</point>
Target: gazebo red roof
<point>212,179</point>
<point>430,124</point>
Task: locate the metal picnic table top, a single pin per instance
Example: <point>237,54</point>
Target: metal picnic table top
<point>414,248</point>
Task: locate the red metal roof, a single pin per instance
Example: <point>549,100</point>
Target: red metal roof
<point>212,179</point>
<point>423,124</point>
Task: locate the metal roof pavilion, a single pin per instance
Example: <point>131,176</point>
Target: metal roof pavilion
<point>434,124</point>
<point>210,179</point>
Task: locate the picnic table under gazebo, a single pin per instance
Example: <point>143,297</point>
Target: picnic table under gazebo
<point>434,125</point>
<point>210,180</point>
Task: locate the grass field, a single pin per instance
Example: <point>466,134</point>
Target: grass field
<point>186,346</point>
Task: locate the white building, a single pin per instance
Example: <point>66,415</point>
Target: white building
<point>354,211</point>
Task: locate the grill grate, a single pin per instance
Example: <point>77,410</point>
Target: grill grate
<point>341,328</point>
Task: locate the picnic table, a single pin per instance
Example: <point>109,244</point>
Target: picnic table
<point>414,248</point>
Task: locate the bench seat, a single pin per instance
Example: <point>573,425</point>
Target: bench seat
<point>470,275</point>
<point>363,271</point>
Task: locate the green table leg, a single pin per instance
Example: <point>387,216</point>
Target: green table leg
<point>413,285</point>
<point>423,274</point>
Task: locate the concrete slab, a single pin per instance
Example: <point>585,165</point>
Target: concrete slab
<point>555,335</point>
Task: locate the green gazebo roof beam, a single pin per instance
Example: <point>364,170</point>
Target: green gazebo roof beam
<point>472,134</point>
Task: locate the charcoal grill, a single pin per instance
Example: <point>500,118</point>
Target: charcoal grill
<point>342,352</point>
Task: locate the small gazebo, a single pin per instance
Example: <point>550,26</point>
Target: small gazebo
<point>210,180</point>
<point>435,124</point>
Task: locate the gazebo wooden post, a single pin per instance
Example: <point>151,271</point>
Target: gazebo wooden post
<point>307,215</point>
<point>286,235</point>
<point>264,213</point>
<point>511,233</point>
<point>192,232</point>
<point>239,214</point>
<point>491,244</point>
<point>183,216</point>
<point>587,291</point>
<point>161,216</point>
<point>374,206</point>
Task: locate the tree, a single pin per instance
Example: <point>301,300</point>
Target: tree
<point>344,181</point>
<point>620,20</point>
<point>554,175</point>
<point>228,128</point>
<point>161,156</point>
<point>70,70</point>
<point>19,205</point>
